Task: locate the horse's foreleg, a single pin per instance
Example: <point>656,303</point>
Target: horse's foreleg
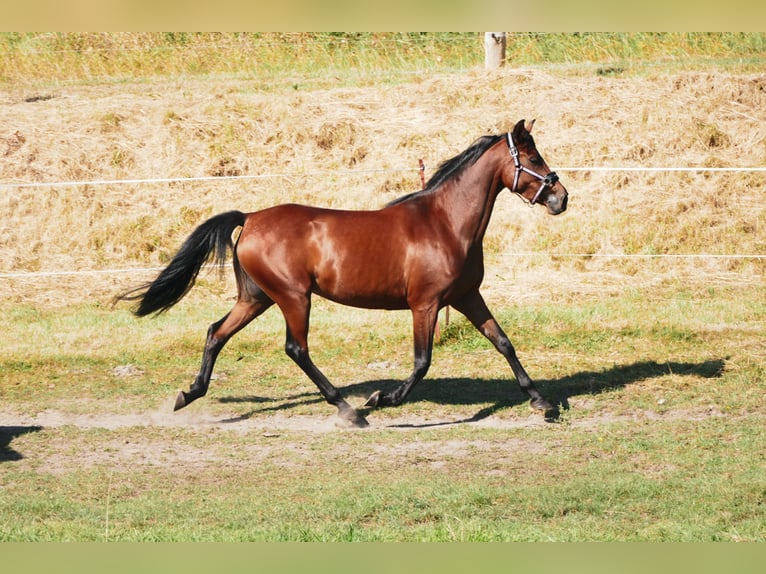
<point>243,312</point>
<point>424,324</point>
<point>475,309</point>
<point>296,347</point>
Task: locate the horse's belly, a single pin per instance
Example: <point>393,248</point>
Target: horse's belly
<point>357,294</point>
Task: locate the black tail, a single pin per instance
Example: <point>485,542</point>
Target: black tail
<point>211,238</point>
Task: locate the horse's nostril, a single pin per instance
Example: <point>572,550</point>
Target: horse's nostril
<point>557,204</point>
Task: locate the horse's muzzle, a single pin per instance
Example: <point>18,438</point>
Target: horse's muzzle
<point>557,203</point>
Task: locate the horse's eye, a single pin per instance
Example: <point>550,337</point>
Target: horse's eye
<point>536,159</point>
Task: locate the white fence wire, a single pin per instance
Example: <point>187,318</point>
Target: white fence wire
<point>159,180</point>
<point>147,181</point>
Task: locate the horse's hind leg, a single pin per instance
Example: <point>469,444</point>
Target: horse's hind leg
<point>476,310</point>
<point>296,312</point>
<point>244,311</point>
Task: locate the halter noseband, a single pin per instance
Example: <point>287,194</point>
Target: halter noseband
<point>548,180</point>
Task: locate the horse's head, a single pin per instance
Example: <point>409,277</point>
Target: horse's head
<point>527,174</point>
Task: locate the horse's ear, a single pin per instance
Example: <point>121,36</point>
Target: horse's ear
<point>518,130</point>
<point>522,128</point>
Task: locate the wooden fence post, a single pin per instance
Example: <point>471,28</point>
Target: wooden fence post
<point>494,50</point>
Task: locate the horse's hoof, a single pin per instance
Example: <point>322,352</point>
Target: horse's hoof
<point>374,400</point>
<point>181,401</point>
<point>351,420</point>
<point>540,404</point>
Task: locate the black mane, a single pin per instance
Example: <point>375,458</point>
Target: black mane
<point>453,167</point>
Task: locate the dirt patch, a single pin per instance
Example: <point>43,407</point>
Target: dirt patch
<point>268,425</point>
<point>122,455</point>
<point>273,425</point>
<point>191,443</point>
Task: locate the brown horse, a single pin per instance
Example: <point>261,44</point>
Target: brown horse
<point>421,252</point>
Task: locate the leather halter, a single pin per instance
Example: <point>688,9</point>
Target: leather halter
<point>548,180</point>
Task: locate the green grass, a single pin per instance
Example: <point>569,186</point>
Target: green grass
<point>660,436</point>
<point>72,351</point>
<point>664,482</point>
<point>297,60</point>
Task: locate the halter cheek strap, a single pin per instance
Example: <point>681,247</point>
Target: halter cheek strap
<point>547,180</point>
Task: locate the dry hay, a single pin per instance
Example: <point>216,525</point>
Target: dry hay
<point>359,147</point>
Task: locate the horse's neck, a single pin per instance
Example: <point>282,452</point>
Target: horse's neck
<point>467,201</point>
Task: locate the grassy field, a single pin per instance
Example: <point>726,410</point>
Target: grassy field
<point>660,436</point>
<point>640,312</point>
<point>282,58</point>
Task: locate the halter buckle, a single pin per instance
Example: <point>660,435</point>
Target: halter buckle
<point>514,151</point>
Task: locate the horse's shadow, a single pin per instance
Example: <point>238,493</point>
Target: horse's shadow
<point>7,434</point>
<point>499,393</point>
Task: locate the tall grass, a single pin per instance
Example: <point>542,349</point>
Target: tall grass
<point>29,58</point>
<point>130,56</point>
<point>635,48</point>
